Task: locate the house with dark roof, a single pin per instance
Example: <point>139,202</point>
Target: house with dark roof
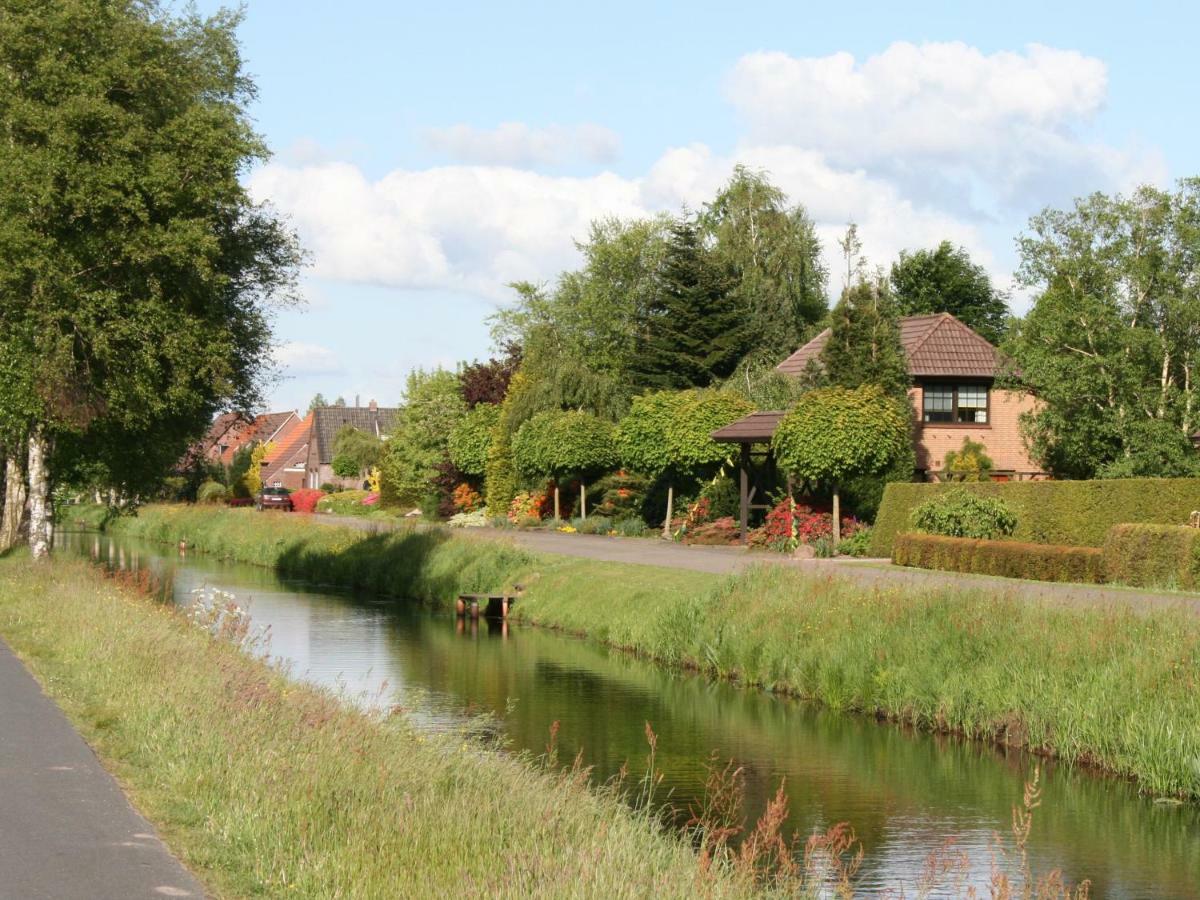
<point>327,422</point>
<point>953,395</point>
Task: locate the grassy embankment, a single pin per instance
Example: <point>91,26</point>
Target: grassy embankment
<point>1108,687</point>
<point>268,787</point>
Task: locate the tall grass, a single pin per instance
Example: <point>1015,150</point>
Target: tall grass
<point>265,786</point>
<point>1109,687</point>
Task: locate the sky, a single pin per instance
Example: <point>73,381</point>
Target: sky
<point>429,154</point>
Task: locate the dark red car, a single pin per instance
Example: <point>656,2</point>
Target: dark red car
<point>274,498</point>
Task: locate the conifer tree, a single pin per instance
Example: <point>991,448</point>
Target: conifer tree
<point>691,333</point>
<point>864,341</point>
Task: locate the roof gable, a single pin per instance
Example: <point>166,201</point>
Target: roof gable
<point>329,420</point>
<point>934,345</point>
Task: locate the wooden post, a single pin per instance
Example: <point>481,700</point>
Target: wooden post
<point>744,495</point>
<point>582,500</point>
<point>670,504</point>
<point>837,520</point>
<point>557,517</point>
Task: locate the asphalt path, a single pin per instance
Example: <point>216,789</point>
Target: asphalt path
<point>67,832</point>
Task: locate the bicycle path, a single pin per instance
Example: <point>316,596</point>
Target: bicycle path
<point>67,832</point>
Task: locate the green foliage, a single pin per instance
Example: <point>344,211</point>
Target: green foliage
<point>355,452</point>
<point>946,280</point>
<point>621,495</point>
<point>1110,340</point>
<point>969,462</point>
<point>317,402</point>
<point>864,342</point>
<point>345,503</point>
<point>691,332</point>
<point>1153,556</point>
<point>238,466</point>
<point>771,256</point>
<point>834,433</point>
<point>252,480</point>
<point>858,544</point>
<point>962,514</point>
<point>432,407</point>
<point>1154,448</point>
<point>212,492</point>
<point>471,439</point>
<point>137,271</point>
<point>1009,559</point>
<point>671,432</point>
<point>561,444</point>
<point>1078,513</point>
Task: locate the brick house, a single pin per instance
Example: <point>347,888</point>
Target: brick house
<point>232,431</point>
<point>327,422</point>
<point>283,465</point>
<point>953,395</point>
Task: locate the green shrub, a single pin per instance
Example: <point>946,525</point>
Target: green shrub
<point>634,526</point>
<point>593,525</point>
<point>858,544</point>
<point>965,515</point>
<point>1010,559</point>
<point>1160,556</point>
<point>1078,513</point>
<point>212,492</point>
<point>969,462</point>
<point>344,503</point>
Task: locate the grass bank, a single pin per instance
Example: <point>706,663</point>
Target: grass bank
<point>1106,687</point>
<point>264,786</point>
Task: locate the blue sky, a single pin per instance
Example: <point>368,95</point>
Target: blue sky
<point>429,153</point>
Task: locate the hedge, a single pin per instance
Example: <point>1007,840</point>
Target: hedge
<point>1156,556</point>
<point>1010,559</point>
<point>1077,513</point>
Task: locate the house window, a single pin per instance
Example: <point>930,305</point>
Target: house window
<point>961,404</point>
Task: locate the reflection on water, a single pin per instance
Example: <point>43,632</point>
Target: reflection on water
<point>905,793</point>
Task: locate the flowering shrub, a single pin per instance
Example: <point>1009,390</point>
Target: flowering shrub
<point>475,519</point>
<point>371,499</point>
<point>790,524</point>
<point>717,532</point>
<point>466,498</point>
<point>305,500</point>
<point>529,507</point>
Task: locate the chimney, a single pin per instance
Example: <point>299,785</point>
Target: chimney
<point>356,401</point>
<point>373,406</point>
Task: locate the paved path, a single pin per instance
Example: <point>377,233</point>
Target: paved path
<point>724,560</point>
<point>66,830</point>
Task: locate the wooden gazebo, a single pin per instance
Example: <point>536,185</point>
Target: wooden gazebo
<point>755,429</point>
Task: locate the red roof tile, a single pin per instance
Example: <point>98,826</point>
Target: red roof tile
<point>935,345</point>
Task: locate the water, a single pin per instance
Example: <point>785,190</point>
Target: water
<point>904,793</point>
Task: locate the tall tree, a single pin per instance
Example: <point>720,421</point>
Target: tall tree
<point>134,268</point>
<point>691,333</point>
<point>419,442</point>
<point>317,401</point>
<point>772,257</point>
<point>864,341</point>
<point>946,280</point>
<point>1112,343</point>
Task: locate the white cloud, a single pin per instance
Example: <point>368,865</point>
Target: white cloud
<point>518,144</point>
<point>1003,124</point>
<point>916,144</point>
<point>299,359</point>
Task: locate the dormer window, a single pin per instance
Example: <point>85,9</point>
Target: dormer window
<point>955,404</point>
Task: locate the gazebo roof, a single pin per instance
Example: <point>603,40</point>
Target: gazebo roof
<point>756,428</point>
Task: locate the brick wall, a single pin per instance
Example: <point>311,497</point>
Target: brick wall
<point>1001,436</point>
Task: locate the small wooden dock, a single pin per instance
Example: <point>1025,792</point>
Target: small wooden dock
<point>492,606</point>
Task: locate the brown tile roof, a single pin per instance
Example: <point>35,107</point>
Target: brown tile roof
<point>329,420</point>
<point>935,345</point>
<point>755,428</point>
<point>290,450</point>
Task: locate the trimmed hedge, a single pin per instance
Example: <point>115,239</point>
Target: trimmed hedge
<point>1077,513</point>
<point>1155,556</point>
<point>1011,559</point>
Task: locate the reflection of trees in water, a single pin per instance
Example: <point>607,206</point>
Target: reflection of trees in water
<point>903,792</point>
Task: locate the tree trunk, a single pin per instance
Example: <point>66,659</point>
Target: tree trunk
<point>670,511</point>
<point>837,520</point>
<point>39,496</point>
<point>583,501</point>
<point>557,517</point>
<point>14,503</point>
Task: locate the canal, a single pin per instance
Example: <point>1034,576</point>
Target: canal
<point>904,793</point>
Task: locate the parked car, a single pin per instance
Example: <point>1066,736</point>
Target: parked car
<point>274,498</point>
